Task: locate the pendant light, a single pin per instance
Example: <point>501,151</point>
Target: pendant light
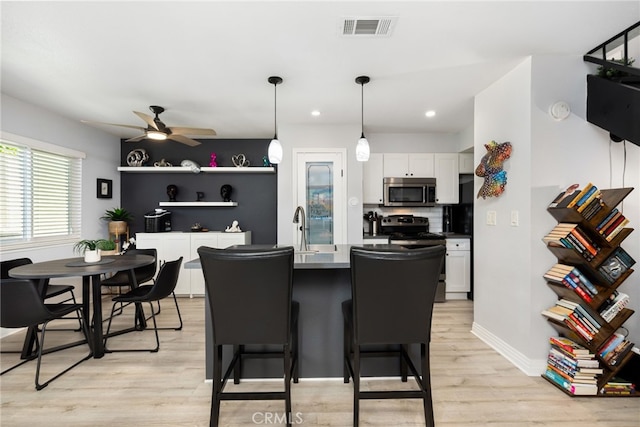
<point>362,149</point>
<point>275,148</point>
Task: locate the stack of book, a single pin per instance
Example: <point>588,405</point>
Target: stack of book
<point>618,386</point>
<point>570,236</point>
<point>572,367</point>
<point>616,264</point>
<point>615,349</point>
<point>585,200</point>
<point>572,278</point>
<point>611,307</point>
<point>575,316</point>
<point>612,224</point>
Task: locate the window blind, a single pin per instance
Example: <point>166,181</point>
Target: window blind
<point>40,196</point>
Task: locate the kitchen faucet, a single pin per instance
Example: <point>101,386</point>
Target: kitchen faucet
<point>296,220</point>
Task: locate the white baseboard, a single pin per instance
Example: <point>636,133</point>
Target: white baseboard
<point>531,367</point>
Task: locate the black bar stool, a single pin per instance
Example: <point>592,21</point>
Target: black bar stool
<point>393,291</point>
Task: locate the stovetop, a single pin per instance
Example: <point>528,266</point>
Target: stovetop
<point>408,227</point>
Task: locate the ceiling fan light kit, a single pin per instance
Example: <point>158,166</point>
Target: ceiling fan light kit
<point>362,148</point>
<point>274,152</point>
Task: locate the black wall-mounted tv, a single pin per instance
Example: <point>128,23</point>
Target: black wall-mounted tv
<point>615,107</point>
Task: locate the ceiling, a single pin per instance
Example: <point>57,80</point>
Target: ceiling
<point>207,62</point>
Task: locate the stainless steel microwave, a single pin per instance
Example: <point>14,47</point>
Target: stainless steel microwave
<point>409,191</point>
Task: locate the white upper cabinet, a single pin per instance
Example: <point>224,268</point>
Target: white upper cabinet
<point>447,179</point>
<point>413,165</point>
<point>465,163</point>
<point>372,174</point>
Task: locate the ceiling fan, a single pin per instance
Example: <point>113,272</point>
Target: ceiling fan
<point>158,131</point>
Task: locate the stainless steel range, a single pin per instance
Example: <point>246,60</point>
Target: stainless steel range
<point>412,232</point>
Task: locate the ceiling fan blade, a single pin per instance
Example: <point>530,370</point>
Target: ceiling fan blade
<point>183,139</point>
<point>191,131</point>
<point>147,118</point>
<point>137,138</point>
<point>114,124</point>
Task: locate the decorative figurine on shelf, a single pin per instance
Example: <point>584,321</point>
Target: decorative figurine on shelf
<point>137,157</point>
<point>240,161</point>
<point>212,162</point>
<point>233,228</point>
<point>162,164</point>
<point>225,192</point>
<point>265,161</point>
<point>199,196</point>
<point>195,168</point>
<point>490,167</point>
<point>172,192</point>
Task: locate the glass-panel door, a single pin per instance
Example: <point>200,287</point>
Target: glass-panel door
<point>319,177</point>
<point>320,190</point>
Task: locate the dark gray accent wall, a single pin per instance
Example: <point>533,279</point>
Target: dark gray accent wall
<point>256,193</point>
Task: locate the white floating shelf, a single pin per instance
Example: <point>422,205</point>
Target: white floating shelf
<point>185,169</point>
<point>198,204</point>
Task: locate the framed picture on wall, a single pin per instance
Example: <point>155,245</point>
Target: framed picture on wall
<point>104,188</point>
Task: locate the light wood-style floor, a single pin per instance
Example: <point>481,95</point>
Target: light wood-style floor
<point>472,386</point>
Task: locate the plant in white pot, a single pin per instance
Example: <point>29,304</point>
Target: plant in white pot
<point>91,249</point>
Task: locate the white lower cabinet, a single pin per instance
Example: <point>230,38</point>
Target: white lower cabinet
<point>171,246</point>
<point>458,268</point>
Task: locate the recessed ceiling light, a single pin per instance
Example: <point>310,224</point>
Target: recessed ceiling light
<point>315,113</point>
<point>430,113</point>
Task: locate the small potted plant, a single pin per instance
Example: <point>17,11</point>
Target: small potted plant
<point>118,219</point>
<point>107,247</point>
<point>91,248</point>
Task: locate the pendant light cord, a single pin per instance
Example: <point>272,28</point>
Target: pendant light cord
<point>275,110</point>
<point>362,109</point>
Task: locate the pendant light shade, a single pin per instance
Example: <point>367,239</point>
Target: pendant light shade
<point>275,148</point>
<point>362,149</point>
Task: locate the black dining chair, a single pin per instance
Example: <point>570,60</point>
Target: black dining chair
<point>393,292</point>
<point>21,306</point>
<point>120,280</point>
<point>249,293</point>
<point>163,287</point>
<point>53,290</point>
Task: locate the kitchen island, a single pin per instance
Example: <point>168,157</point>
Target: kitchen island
<point>321,281</point>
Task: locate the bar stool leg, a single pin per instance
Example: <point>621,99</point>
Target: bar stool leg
<point>217,387</point>
<point>426,384</point>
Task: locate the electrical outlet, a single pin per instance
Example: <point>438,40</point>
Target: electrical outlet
<point>491,218</point>
<point>514,219</point>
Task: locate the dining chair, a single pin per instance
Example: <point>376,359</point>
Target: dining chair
<point>163,286</point>
<point>250,301</point>
<point>393,292</point>
<point>21,306</point>
<point>144,274</point>
<point>53,290</point>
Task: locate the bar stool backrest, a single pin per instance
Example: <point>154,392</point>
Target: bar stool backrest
<point>249,292</point>
<point>393,293</point>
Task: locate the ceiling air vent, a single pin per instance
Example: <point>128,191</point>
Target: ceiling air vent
<point>367,26</point>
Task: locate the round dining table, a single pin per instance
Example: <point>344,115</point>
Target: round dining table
<point>91,289</point>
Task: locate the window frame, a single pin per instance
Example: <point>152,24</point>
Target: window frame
<point>29,241</point>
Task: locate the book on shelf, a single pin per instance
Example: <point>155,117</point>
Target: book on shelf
<point>570,236</point>
<point>572,278</point>
<point>616,264</point>
<point>592,193</point>
<point>618,386</point>
<point>570,346</point>
<point>564,198</point>
<point>614,224</point>
<point>574,388</point>
<point>580,195</point>
<point>610,344</point>
<point>610,236</point>
<point>615,356</point>
<point>595,206</point>
<point>606,219</point>
<point>616,306</point>
<point>568,313</point>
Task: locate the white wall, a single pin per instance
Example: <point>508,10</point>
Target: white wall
<point>547,157</point>
<point>413,143</point>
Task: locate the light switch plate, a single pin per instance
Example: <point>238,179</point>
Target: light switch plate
<point>491,217</point>
<point>515,221</point>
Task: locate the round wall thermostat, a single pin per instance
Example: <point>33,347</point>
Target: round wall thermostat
<point>560,110</point>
